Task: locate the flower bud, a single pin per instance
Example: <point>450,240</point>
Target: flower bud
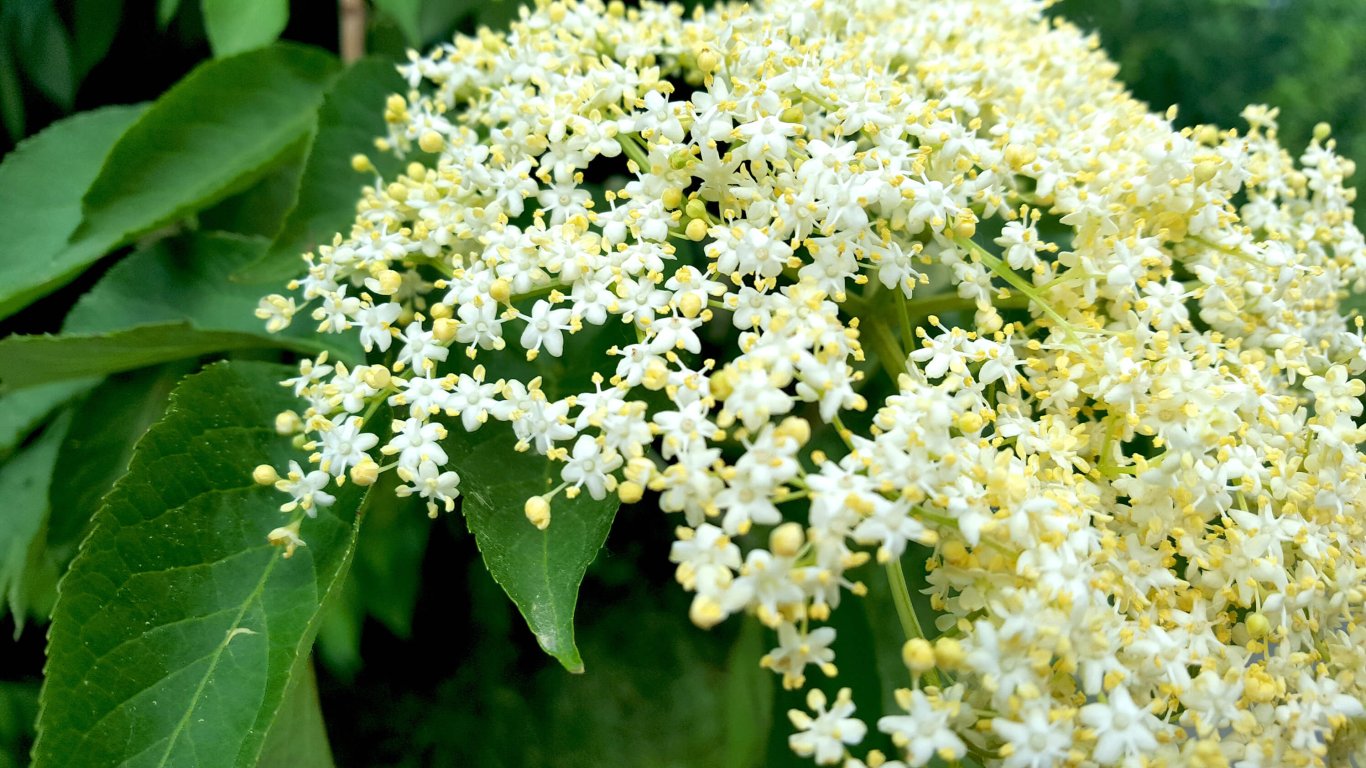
<point>288,423</point>
<point>443,330</point>
<point>431,141</point>
<point>639,470</point>
<point>690,305</point>
<point>918,655</point>
<point>265,474</point>
<point>696,230</point>
<point>708,61</point>
<point>786,540</point>
<point>794,427</point>
<point>630,492</point>
<point>377,376</point>
<point>705,612</point>
<point>386,282</point>
<point>538,512</point>
<point>500,290</point>
<point>949,653</point>
<point>365,473</point>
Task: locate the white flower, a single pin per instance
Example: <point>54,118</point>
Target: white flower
<point>924,732</point>
<point>420,349</point>
<point>344,445</point>
<point>824,736</point>
<point>429,482</point>
<point>473,400</point>
<point>589,466</point>
<point>416,442</point>
<point>1033,741</point>
<point>376,325</point>
<point>546,326</point>
<point>306,490</point>
<point>1122,727</point>
<point>797,649</point>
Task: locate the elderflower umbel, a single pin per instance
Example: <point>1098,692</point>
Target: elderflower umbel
<point>879,280</point>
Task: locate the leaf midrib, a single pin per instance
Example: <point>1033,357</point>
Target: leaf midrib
<point>214,658</point>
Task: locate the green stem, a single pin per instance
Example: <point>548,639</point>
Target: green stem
<point>1003,271</point>
<point>843,432</point>
<point>905,610</point>
<point>947,301</point>
<point>885,346</point>
<point>631,146</point>
<point>904,313</point>
<point>536,293</point>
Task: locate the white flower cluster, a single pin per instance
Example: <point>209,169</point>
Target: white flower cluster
<point>1111,392</point>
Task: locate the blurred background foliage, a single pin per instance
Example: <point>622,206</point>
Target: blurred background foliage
<point>1213,57</point>
<point>398,687</point>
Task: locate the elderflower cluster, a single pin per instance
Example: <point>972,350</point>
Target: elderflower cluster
<point>881,278</point>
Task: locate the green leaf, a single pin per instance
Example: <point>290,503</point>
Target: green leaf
<point>439,19</point>
<point>384,579</point>
<point>407,14</point>
<point>30,360</point>
<point>23,486</point>
<point>18,710</point>
<point>169,301</point>
<point>338,646</point>
<point>45,52</point>
<point>235,26</point>
<point>21,412</point>
<point>166,10</point>
<point>351,118</point>
<point>41,184</point>
<point>497,14</point>
<point>94,24</point>
<point>749,704</point>
<point>1355,304</point>
<point>260,210</point>
<point>388,567</point>
<point>181,279</point>
<point>98,446</point>
<point>213,133</point>
<point>540,570</point>
<point>178,628</point>
<point>298,739</point>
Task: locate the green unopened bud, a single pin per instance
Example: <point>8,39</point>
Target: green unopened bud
<point>696,209</point>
